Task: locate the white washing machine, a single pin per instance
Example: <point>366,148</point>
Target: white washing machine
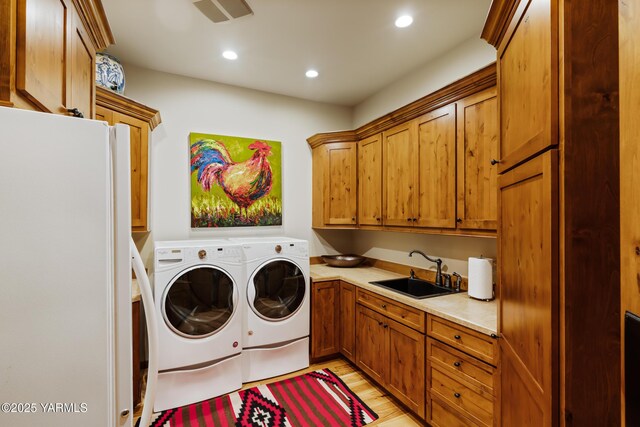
<point>276,321</point>
<point>199,297</point>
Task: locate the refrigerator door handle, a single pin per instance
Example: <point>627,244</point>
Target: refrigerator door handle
<point>152,329</point>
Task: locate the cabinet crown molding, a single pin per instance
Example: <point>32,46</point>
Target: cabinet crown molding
<point>498,20</point>
<point>94,18</point>
<point>475,82</point>
<point>122,104</point>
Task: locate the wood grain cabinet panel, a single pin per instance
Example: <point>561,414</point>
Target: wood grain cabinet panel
<point>442,415</point>
<point>370,181</point>
<point>82,64</point>
<point>527,62</point>
<point>340,184</point>
<point>325,320</point>
<point>464,339</point>
<point>348,321</point>
<point>409,316</point>
<point>406,368</point>
<point>477,146</point>
<point>400,154</point>
<point>335,185</point>
<point>372,345</point>
<point>436,203</point>
<point>528,248</point>
<point>42,67</point>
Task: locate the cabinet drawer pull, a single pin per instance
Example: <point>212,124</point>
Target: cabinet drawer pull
<point>409,219</point>
<point>385,326</point>
<point>494,336</point>
<point>384,306</point>
<point>457,395</point>
<point>457,337</point>
<point>379,323</point>
<point>378,219</point>
<point>458,220</point>
<point>494,162</point>
<point>456,364</point>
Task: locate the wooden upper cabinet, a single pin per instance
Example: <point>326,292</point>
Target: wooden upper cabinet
<point>528,253</point>
<point>436,202</point>
<point>42,36</point>
<point>334,186</point>
<point>114,109</point>
<point>399,171</point>
<point>55,41</point>
<point>477,145</point>
<point>370,181</point>
<point>528,62</point>
<point>340,183</point>
<point>82,66</point>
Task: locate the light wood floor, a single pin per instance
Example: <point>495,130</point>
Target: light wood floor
<point>390,412</point>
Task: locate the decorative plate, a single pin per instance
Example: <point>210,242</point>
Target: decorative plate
<point>109,73</point>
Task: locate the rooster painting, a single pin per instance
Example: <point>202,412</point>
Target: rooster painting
<point>246,184</point>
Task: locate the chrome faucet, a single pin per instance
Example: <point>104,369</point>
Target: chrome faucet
<point>438,262</point>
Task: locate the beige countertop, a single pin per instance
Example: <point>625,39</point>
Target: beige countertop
<point>480,316</point>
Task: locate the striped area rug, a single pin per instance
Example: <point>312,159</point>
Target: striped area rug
<point>318,398</point>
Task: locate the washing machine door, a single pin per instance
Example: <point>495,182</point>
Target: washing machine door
<point>276,290</point>
<point>199,301</point>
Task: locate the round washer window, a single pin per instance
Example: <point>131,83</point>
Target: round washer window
<point>279,288</point>
<point>199,302</point>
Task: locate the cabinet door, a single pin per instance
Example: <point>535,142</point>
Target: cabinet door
<point>325,319</point>
<point>139,139</point>
<point>400,160</point>
<point>528,316</point>
<point>104,114</point>
<point>81,73</point>
<point>477,146</point>
<point>528,86</point>
<point>372,347</point>
<point>370,181</point>
<point>340,183</point>
<point>348,320</point>
<point>406,378</point>
<point>41,54</point>
<point>437,168</point>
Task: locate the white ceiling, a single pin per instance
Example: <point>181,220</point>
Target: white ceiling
<point>352,43</point>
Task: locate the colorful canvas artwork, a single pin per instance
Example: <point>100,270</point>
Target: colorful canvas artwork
<point>235,182</point>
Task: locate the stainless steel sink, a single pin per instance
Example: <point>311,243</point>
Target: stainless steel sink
<point>414,288</point>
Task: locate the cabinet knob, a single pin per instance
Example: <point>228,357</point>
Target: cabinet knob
<point>353,219</point>
<point>384,306</point>
<point>457,337</point>
<point>378,219</point>
<point>457,395</point>
<point>75,113</point>
<point>494,336</point>
<point>494,162</point>
<point>385,326</point>
<point>379,323</point>
<point>409,219</point>
<point>456,364</point>
<point>637,250</point>
<point>458,220</point>
<point>415,219</point>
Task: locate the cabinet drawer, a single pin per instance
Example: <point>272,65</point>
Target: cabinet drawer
<point>471,342</point>
<point>442,415</point>
<point>412,317</point>
<point>472,402</point>
<point>460,365</point>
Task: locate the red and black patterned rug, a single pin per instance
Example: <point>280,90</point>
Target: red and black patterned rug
<point>318,398</point>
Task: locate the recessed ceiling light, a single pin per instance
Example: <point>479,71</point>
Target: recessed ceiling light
<point>312,74</point>
<point>404,21</point>
<point>229,54</point>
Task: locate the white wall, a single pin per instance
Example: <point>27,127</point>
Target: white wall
<point>190,105</point>
<point>459,62</point>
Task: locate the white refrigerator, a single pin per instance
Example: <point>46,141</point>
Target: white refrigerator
<point>65,272</point>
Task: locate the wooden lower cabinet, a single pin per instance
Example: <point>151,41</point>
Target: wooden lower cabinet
<point>461,389</point>
<point>348,321</point>
<point>325,319</point>
<point>393,355</point>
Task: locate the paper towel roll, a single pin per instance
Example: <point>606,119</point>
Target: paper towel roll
<point>481,278</point>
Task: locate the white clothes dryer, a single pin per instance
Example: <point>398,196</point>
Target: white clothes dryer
<point>199,298</point>
<point>276,321</point>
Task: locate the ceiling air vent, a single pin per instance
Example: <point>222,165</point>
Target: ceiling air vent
<point>223,10</point>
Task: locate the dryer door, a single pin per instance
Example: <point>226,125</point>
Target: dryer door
<point>276,290</point>
<point>199,302</point>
